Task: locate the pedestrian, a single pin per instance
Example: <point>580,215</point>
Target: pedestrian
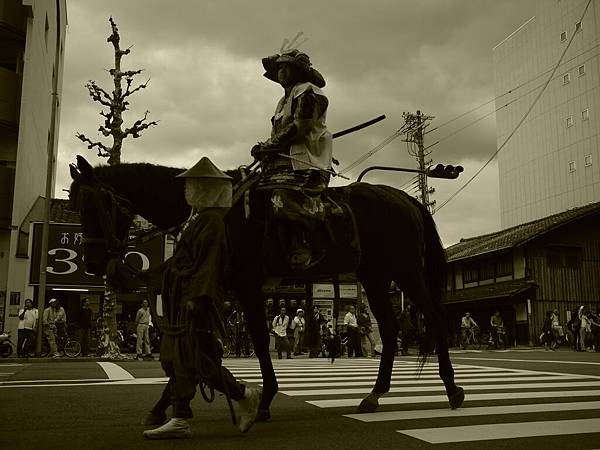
<point>142,323</point>
<point>547,336</point>
<point>595,325</point>
<point>407,329</point>
<point>557,329</point>
<point>280,326</point>
<point>365,328</point>
<point>85,325</point>
<point>317,333</point>
<point>351,328</point>
<point>28,318</point>
<point>193,294</point>
<point>574,326</point>
<point>298,325</point>
<point>54,322</point>
<point>297,157</point>
<point>585,329</point>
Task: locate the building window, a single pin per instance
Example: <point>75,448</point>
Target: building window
<point>504,266</point>
<point>577,27</point>
<point>581,70</point>
<point>572,166</point>
<point>585,114</point>
<point>566,78</point>
<point>570,121</point>
<point>470,273</point>
<point>563,36</point>
<point>588,160</point>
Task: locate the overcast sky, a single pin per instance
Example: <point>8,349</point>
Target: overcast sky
<point>206,87</point>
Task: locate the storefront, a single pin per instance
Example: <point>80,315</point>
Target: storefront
<point>67,280</point>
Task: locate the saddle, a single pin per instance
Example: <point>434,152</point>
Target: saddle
<point>335,231</point>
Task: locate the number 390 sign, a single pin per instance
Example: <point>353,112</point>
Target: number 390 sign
<point>65,266</point>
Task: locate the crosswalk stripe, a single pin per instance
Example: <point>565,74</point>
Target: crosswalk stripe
<point>385,416</point>
<point>360,381</point>
<point>440,388</point>
<point>345,402</point>
<point>442,435</point>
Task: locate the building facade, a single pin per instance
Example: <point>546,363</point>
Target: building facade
<point>552,162</point>
<point>525,271</point>
<point>32,35</point>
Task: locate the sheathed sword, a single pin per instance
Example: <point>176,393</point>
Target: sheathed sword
<point>337,134</point>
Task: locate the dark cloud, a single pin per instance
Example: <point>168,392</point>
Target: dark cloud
<point>380,57</point>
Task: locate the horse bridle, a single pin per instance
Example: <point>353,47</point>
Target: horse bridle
<point>108,220</point>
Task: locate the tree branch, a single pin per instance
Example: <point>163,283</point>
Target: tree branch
<point>141,86</point>
<point>101,147</point>
<point>139,126</point>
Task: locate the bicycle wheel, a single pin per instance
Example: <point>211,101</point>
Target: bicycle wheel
<point>72,348</point>
<point>6,351</point>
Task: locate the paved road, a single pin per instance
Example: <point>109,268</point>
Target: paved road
<point>514,400</point>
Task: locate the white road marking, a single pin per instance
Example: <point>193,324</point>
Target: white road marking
<point>360,381</point>
<point>385,416</point>
<point>115,372</point>
<point>344,402</point>
<point>529,360</point>
<point>440,388</point>
<point>504,431</point>
<point>127,382</point>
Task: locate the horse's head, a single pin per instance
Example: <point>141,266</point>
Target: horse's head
<point>105,217</point>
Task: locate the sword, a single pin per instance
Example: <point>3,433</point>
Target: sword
<point>332,172</point>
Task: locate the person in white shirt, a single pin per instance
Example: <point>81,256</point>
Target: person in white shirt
<point>280,325</point>
<point>142,322</point>
<point>28,317</point>
<point>351,326</point>
<point>298,325</point>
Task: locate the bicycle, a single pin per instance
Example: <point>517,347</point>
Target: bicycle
<point>235,340</point>
<point>68,346</point>
<point>470,336</point>
<point>496,339</point>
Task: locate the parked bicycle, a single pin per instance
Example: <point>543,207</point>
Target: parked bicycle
<point>237,340</point>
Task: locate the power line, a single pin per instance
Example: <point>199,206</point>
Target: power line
<point>512,90</point>
<point>505,105</point>
<point>535,100</point>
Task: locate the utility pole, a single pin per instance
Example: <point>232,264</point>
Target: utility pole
<point>414,135</point>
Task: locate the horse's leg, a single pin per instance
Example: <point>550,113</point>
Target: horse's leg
<point>381,306</point>
<point>256,321</point>
<point>416,288</point>
<point>456,394</point>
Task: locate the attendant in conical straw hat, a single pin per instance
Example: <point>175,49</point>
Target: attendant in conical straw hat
<point>193,293</point>
<point>297,156</point>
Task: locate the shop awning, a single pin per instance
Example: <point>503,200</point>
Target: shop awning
<point>490,291</point>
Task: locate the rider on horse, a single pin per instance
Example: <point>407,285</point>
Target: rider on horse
<point>297,157</point>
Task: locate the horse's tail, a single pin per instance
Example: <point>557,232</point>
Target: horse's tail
<point>435,275</point>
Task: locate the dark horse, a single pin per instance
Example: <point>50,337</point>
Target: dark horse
<point>398,240</point>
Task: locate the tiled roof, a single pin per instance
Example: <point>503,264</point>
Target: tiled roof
<point>516,235</point>
<point>489,291</point>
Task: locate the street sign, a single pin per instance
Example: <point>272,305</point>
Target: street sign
<point>65,256</point>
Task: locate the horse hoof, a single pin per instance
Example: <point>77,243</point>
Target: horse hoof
<point>263,415</point>
<point>369,404</point>
<point>457,398</point>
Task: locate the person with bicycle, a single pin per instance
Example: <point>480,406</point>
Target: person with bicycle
<point>54,323</point>
<point>497,328</point>
<point>468,327</point>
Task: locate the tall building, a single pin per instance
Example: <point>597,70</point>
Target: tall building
<point>32,36</point>
<point>552,162</point>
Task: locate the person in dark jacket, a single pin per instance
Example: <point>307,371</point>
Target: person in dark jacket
<point>85,323</point>
<point>193,295</point>
<point>548,337</point>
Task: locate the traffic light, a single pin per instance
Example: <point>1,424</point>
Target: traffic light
<point>441,171</point>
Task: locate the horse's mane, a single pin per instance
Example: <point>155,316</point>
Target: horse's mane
<point>150,187</point>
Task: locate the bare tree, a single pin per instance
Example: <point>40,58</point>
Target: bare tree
<point>115,104</point>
